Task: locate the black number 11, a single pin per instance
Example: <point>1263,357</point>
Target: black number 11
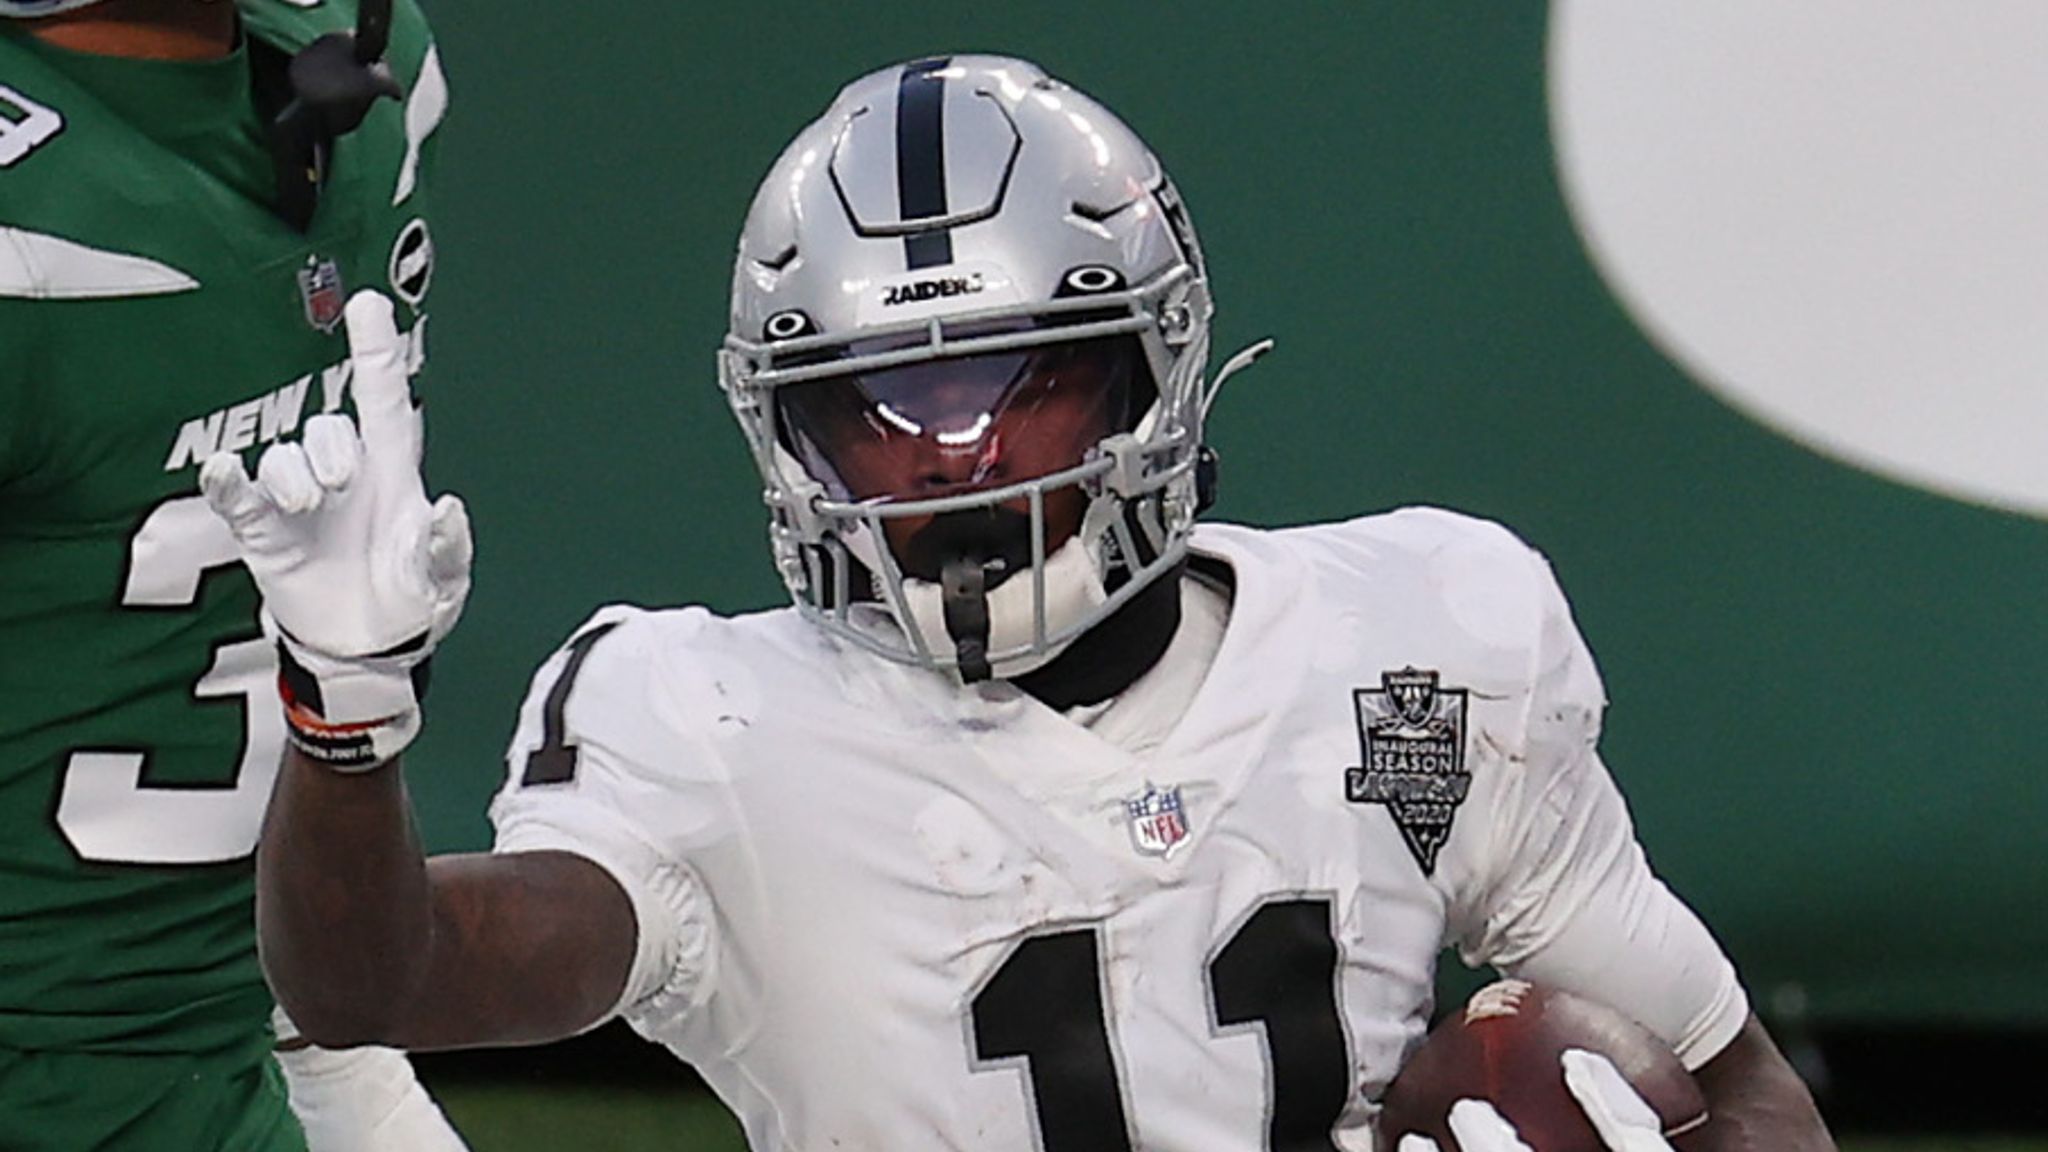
<point>1279,969</point>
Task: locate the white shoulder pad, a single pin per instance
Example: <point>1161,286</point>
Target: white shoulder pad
<point>1479,582</point>
<point>631,696</point>
<point>635,713</point>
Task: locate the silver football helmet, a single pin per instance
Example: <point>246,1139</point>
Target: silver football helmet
<point>970,326</point>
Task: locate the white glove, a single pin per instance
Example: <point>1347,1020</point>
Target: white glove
<point>1479,1127</point>
<point>1625,1122</point>
<point>360,576</point>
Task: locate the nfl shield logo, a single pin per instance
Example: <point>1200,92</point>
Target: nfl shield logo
<point>1158,820</point>
<point>320,289</point>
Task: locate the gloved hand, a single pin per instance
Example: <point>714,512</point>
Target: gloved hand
<point>360,576</point>
<point>1625,1122</point>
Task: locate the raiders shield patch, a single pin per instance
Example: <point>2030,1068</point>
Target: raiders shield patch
<point>1412,732</point>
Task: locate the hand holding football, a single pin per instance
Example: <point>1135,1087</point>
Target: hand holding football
<point>1507,1047</point>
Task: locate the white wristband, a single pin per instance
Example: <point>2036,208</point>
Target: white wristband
<point>349,715</point>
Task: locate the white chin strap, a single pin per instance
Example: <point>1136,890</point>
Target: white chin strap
<point>1073,590</point>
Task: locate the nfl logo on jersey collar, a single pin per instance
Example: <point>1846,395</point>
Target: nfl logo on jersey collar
<point>1157,819</point>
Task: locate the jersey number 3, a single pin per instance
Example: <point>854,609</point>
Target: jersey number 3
<point>1278,970</point>
<point>110,811</point>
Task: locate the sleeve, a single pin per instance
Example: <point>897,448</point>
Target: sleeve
<point>586,775</point>
<point>1569,899</point>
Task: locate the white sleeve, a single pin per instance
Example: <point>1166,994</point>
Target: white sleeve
<point>1570,900</point>
<point>595,813</point>
<point>672,962</point>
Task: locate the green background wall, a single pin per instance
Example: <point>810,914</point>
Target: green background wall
<point>1826,687</point>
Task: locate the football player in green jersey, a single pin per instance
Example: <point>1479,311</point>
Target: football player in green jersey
<point>179,226</point>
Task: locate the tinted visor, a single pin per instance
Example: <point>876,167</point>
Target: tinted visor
<point>945,427</point>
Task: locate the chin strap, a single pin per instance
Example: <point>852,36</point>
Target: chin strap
<point>964,583</point>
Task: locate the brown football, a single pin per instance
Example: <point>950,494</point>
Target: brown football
<point>1504,1047</point>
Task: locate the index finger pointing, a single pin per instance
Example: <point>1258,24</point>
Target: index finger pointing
<point>383,389</point>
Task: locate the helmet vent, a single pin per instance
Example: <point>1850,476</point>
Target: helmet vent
<point>780,260</point>
<point>1095,215</point>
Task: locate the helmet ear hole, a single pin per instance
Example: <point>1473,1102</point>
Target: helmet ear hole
<point>1089,280</point>
<point>789,324</point>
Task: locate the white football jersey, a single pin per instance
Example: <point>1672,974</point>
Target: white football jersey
<point>879,910</point>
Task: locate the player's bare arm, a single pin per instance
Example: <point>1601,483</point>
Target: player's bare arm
<point>366,941</point>
<point>1757,1100</point>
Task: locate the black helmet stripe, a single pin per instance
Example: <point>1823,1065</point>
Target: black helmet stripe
<point>921,159</point>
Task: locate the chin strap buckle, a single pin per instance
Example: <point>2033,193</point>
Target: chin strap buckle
<point>964,581</point>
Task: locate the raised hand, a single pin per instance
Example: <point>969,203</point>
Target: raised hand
<point>361,577</point>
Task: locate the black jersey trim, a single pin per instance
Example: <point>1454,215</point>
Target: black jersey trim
<point>554,762</point>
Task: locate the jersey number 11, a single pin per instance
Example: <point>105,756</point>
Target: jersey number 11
<point>1279,970</point>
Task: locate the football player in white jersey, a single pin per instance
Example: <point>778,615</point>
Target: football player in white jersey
<point>1044,819</point>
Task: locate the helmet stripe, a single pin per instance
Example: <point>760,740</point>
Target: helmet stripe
<point>921,159</point>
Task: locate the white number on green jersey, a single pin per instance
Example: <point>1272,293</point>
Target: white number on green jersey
<point>24,125</point>
<point>109,810</point>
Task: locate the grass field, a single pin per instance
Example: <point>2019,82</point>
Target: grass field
<point>498,1118</point>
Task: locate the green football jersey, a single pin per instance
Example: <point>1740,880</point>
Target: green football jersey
<point>154,310</point>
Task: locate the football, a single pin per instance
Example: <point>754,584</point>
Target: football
<point>1504,1047</point>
